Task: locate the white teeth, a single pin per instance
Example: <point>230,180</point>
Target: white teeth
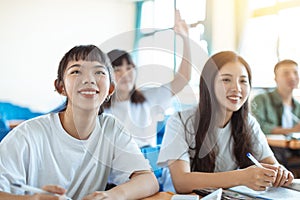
<point>88,92</point>
<point>234,98</point>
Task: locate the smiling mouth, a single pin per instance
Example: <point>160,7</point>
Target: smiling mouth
<point>88,92</point>
<point>235,98</point>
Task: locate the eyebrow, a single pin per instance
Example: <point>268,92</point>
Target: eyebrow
<point>95,66</point>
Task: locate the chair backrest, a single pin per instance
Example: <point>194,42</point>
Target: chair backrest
<point>161,130</point>
<point>4,126</point>
<point>15,112</point>
<point>151,153</point>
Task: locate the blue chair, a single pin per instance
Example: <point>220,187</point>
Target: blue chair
<point>151,153</point>
<point>160,129</point>
<point>15,112</point>
<point>4,126</point>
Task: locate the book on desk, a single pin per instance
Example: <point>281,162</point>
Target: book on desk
<point>242,192</point>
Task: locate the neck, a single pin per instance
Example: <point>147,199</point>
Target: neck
<point>226,118</point>
<point>79,124</point>
<point>286,96</point>
<point>121,96</point>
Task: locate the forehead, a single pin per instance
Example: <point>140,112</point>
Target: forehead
<point>234,68</point>
<point>83,63</point>
<point>287,67</point>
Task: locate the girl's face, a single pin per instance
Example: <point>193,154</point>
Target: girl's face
<point>232,86</point>
<point>125,75</point>
<point>86,84</point>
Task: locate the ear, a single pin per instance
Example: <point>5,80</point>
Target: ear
<point>111,88</point>
<point>59,87</point>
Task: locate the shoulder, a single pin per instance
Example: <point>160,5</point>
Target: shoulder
<point>108,120</point>
<point>263,96</point>
<point>35,127</point>
<point>253,124</point>
<point>185,116</point>
<point>157,92</point>
<point>110,125</point>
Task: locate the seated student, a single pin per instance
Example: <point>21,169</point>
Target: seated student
<point>278,112</point>
<point>205,146</point>
<point>74,151</point>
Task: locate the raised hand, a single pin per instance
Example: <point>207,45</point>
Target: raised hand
<point>180,26</point>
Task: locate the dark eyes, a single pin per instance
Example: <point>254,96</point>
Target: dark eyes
<point>228,80</point>
<point>101,72</point>
<point>225,79</point>
<point>75,72</point>
<point>97,72</point>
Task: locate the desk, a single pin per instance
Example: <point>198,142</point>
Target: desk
<point>283,142</point>
<point>14,123</point>
<point>160,196</point>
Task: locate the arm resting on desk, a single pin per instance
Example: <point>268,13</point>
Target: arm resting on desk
<point>253,177</point>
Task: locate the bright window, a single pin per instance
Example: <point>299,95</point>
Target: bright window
<point>159,47</point>
<point>270,35</point>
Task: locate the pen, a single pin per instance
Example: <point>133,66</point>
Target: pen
<point>36,190</point>
<point>254,160</point>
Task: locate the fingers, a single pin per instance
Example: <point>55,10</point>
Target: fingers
<point>290,179</point>
<point>54,189</point>
<point>284,177</point>
<point>269,166</point>
<point>177,15</point>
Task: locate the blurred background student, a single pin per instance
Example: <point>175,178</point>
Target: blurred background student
<point>140,110</point>
<point>277,111</point>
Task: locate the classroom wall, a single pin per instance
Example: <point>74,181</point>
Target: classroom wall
<point>35,34</point>
<point>223,25</point>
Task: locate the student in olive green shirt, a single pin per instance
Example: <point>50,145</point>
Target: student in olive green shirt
<point>278,112</point>
<point>268,109</point>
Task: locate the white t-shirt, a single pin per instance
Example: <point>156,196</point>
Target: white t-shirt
<point>40,152</point>
<point>176,142</point>
<point>141,119</point>
<point>287,118</point>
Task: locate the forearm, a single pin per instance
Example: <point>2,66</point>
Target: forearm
<point>183,75</point>
<point>280,130</point>
<point>139,186</point>
<point>8,196</point>
<point>195,180</point>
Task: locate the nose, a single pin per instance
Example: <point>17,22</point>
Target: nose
<point>236,86</point>
<point>88,79</point>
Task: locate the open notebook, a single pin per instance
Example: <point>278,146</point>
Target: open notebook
<point>270,193</point>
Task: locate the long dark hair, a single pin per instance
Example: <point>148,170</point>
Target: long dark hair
<point>208,115</point>
<point>86,53</point>
<point>117,57</point>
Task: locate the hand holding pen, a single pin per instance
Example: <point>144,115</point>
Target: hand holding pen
<point>282,177</point>
<point>258,177</point>
<point>47,190</point>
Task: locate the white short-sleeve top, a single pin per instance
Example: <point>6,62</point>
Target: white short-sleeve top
<point>40,152</point>
<point>141,119</point>
<point>176,142</point>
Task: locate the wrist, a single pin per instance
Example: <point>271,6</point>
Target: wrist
<point>239,177</point>
<point>117,193</point>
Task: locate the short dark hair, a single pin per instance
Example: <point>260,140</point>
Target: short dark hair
<point>86,53</point>
<point>284,62</point>
<point>117,57</point>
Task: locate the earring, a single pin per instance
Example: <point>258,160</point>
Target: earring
<point>107,99</point>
